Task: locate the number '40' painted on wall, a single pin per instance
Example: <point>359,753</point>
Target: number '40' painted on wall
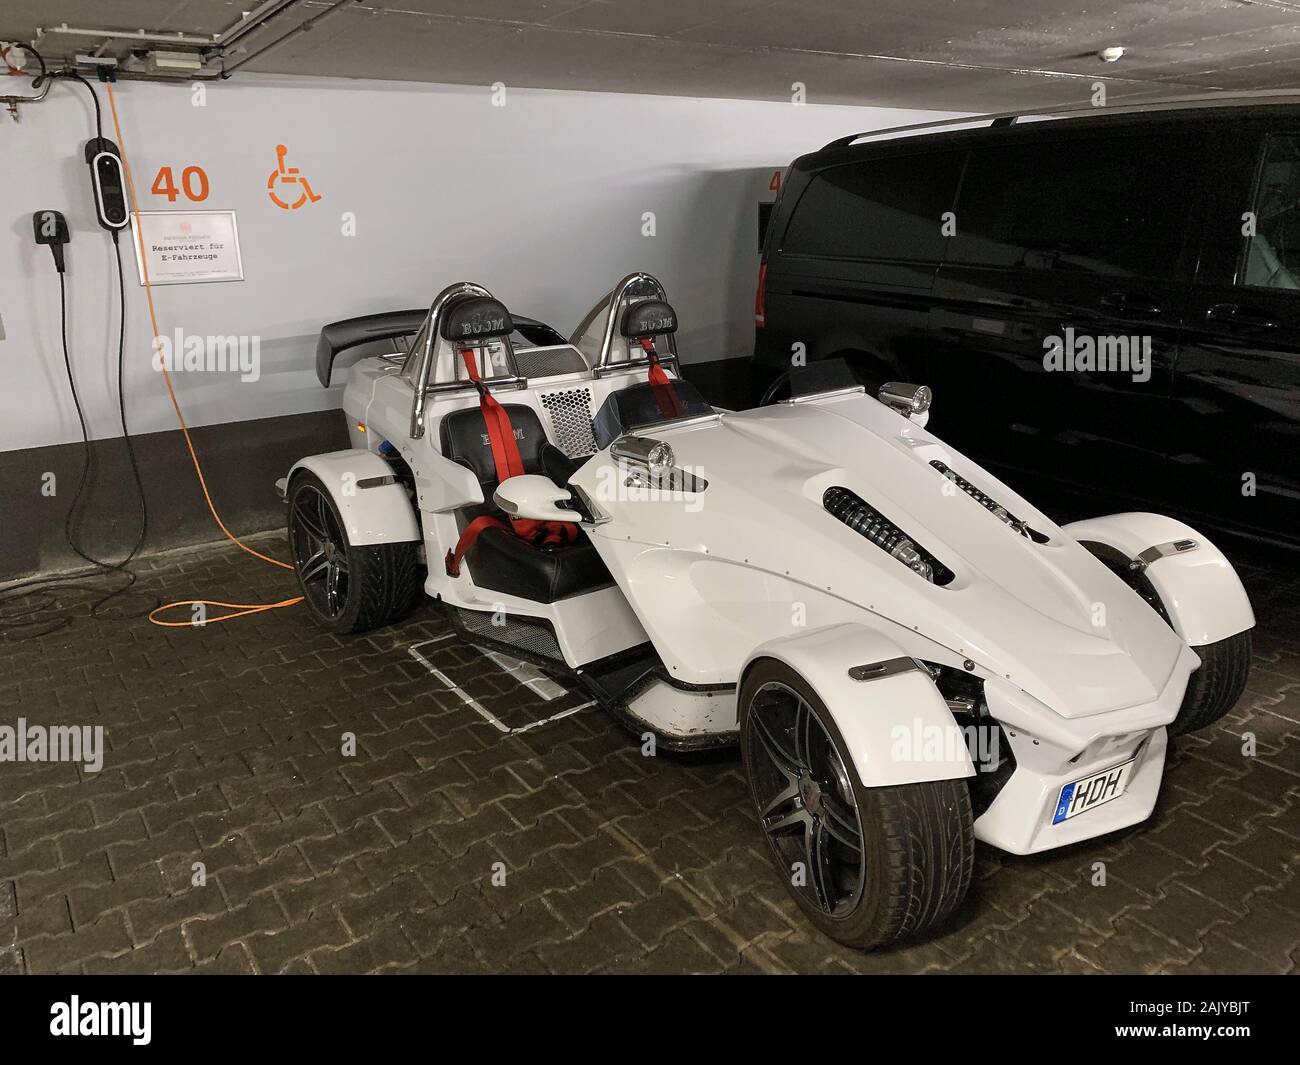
<point>194,182</point>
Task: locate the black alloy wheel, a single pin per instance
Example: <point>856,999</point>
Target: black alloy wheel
<point>806,804</point>
<point>320,552</point>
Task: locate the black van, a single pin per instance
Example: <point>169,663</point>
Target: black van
<point>1112,302</point>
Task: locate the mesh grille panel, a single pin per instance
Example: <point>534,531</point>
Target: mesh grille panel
<point>548,362</point>
<point>570,413</point>
<point>535,639</point>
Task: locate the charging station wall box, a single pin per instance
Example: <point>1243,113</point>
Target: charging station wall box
<point>187,247</point>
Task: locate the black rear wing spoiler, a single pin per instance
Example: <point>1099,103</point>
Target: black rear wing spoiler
<point>338,337</point>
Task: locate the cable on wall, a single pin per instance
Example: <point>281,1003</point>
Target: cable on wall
<point>51,591</point>
<point>241,609</point>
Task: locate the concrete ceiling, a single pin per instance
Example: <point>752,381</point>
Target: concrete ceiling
<point>958,55</point>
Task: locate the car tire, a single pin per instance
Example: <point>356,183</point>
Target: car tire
<point>1216,686</point>
<point>374,584</point>
<point>918,848</point>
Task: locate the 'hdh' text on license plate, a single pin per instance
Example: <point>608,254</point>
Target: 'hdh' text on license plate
<point>1080,796</point>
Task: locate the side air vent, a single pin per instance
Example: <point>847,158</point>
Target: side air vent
<point>867,521</point>
<point>570,412</point>
<point>989,503</point>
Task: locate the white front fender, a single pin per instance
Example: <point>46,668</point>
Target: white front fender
<point>896,725</point>
<point>374,506</point>
<point>1200,590</point>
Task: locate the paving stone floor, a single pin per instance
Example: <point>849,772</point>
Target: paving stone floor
<point>224,748</point>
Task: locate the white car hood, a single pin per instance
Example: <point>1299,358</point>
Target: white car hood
<point>1047,617</point>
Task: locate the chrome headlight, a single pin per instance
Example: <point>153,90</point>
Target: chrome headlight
<point>654,456</point>
<point>904,398</point>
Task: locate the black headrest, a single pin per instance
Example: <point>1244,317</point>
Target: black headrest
<point>648,318</point>
<point>476,318</point>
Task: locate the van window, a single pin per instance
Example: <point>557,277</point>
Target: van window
<point>878,209</point>
<point>1273,253</point>
<point>1117,205</point>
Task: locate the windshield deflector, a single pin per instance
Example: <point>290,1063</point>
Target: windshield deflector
<point>639,406</point>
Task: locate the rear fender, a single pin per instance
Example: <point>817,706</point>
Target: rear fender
<point>1198,587</point>
<point>896,725</point>
<point>374,505</point>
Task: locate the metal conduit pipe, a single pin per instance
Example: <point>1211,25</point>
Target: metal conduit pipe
<point>302,27</point>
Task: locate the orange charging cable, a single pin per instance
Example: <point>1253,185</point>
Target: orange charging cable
<point>241,609</point>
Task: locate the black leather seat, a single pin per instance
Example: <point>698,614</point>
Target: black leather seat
<point>499,560</point>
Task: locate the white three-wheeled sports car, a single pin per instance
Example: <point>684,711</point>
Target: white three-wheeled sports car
<point>910,656</point>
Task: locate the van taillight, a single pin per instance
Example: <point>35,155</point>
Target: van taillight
<point>759,314</point>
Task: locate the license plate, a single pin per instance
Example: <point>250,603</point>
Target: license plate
<point>1080,796</point>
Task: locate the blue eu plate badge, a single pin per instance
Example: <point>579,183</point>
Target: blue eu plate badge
<point>1080,796</point>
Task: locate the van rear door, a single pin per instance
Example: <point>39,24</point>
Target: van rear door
<point>1239,368</point>
<point>1058,306</point>
<point>851,266</point>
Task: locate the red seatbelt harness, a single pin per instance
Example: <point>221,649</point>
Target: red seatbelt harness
<point>670,406</point>
<point>506,459</point>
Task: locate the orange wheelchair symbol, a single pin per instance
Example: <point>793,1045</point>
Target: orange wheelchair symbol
<point>288,175</point>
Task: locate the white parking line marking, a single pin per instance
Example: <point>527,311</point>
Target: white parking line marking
<point>528,675</point>
<point>525,673</point>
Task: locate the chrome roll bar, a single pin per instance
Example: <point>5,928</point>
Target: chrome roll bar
<point>603,365</point>
<point>424,365</point>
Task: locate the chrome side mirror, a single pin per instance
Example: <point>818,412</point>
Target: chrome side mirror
<point>913,401</point>
<point>532,495</point>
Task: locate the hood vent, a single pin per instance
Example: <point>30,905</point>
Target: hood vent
<point>989,503</point>
<point>867,521</point>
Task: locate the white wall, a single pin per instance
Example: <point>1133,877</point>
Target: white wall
<point>540,200</point>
